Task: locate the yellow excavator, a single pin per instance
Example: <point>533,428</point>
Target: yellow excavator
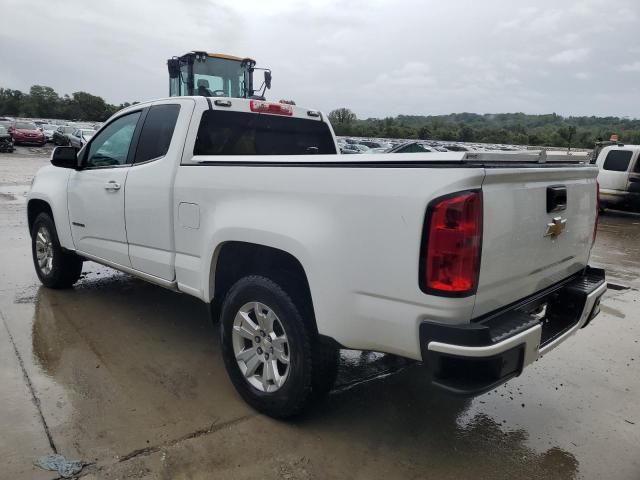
<point>215,75</point>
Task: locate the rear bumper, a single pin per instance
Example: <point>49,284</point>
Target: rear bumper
<point>474,358</point>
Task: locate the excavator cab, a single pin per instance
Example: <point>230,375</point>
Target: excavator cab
<point>215,75</point>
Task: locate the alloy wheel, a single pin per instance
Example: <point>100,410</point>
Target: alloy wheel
<point>261,347</point>
<point>44,250</point>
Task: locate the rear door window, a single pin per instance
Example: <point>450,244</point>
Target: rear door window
<point>157,132</point>
<point>238,133</point>
<point>617,160</point>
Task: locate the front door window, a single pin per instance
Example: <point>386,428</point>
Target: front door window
<point>111,146</point>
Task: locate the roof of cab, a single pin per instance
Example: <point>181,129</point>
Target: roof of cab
<point>244,105</point>
<point>228,57</point>
<point>622,146</point>
<point>234,104</point>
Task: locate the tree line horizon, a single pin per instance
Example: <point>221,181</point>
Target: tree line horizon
<point>504,128</point>
<point>507,128</point>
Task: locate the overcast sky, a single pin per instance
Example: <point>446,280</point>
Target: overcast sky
<point>377,57</point>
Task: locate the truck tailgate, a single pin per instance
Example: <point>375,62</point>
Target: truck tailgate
<point>520,255</point>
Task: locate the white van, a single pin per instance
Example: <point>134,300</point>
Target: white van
<point>619,176</point>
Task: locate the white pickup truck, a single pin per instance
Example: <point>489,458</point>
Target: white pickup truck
<point>475,263</point>
<point>619,176</point>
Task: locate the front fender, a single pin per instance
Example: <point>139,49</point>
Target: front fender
<point>50,186</point>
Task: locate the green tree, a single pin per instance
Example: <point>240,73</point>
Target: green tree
<point>424,132</point>
<point>10,101</point>
<point>84,106</point>
<point>41,102</point>
<point>342,120</point>
<point>466,134</point>
<point>567,133</point>
<point>342,116</point>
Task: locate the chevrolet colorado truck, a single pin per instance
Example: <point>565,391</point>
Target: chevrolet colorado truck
<point>474,263</point>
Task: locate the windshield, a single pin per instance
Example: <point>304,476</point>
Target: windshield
<point>218,77</point>
<point>87,133</point>
<point>25,126</point>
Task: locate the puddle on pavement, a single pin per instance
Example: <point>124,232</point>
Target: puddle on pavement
<point>140,366</point>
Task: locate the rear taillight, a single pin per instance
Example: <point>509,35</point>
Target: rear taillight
<point>270,107</point>
<point>452,245</point>
<point>595,225</point>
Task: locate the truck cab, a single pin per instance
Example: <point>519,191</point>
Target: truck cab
<point>215,75</point>
<point>619,175</point>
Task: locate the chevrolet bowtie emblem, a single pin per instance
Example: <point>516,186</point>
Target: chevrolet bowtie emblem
<point>556,227</point>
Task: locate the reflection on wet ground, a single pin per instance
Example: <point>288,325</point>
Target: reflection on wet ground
<point>618,247</point>
<point>128,376</point>
<point>140,367</point>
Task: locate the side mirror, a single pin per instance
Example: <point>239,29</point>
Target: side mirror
<point>64,157</point>
<point>267,79</point>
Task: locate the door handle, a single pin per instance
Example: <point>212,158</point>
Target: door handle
<point>112,186</point>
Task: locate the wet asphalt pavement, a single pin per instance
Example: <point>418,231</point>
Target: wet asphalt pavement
<point>128,377</point>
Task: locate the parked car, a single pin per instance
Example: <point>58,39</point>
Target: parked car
<point>61,135</point>
<point>6,141</point>
<point>619,176</point>
<point>361,148</point>
<point>349,148</point>
<point>27,133</point>
<point>348,151</point>
<point>80,137</point>
<point>410,147</point>
<point>476,268</point>
<point>452,147</point>
<point>371,144</point>
<point>48,131</point>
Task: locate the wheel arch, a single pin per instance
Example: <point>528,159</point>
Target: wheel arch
<point>35,207</point>
<point>233,260</point>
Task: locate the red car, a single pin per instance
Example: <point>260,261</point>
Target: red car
<point>25,132</point>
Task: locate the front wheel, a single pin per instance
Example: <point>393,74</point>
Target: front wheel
<point>55,267</point>
<point>271,353</point>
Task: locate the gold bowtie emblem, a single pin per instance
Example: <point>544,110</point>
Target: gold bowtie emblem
<point>556,227</point>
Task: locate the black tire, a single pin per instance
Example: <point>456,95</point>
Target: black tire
<point>66,267</point>
<point>312,363</point>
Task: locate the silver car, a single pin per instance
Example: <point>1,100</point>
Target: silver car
<point>80,136</point>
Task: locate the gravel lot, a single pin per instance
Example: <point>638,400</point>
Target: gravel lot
<point>128,377</point>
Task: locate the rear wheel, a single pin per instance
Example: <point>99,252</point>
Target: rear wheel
<point>272,354</point>
<point>55,267</point>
